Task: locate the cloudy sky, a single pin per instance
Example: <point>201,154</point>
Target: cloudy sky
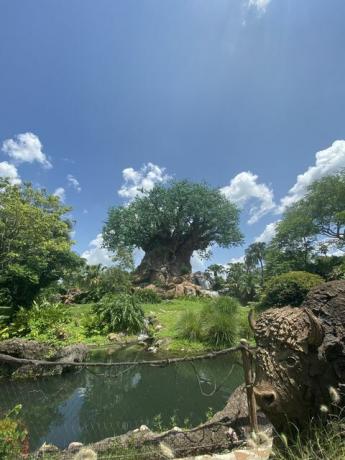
<point>99,99</point>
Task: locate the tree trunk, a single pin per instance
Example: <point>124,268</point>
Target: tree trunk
<point>163,262</point>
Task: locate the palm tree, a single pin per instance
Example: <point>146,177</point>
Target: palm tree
<point>254,255</point>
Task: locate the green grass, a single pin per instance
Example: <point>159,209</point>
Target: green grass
<point>323,441</point>
<point>75,330</point>
<point>168,314</point>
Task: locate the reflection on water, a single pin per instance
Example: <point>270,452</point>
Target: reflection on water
<point>88,406</point>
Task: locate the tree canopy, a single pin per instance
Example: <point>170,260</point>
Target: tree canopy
<point>320,212</point>
<point>35,243</point>
<point>172,221</point>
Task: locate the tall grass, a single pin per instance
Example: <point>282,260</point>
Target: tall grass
<point>217,324</point>
<point>323,441</point>
<point>189,326</point>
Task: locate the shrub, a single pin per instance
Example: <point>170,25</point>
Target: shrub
<point>189,326</point>
<point>220,322</point>
<point>226,304</point>
<point>216,324</point>
<point>147,296</point>
<point>13,436</point>
<point>43,321</point>
<point>119,313</point>
<point>289,289</point>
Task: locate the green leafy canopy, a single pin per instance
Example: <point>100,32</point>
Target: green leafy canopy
<point>171,215</point>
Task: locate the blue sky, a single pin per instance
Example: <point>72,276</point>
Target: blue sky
<point>240,93</point>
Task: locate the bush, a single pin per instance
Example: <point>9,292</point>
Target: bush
<point>13,437</point>
<point>43,321</point>
<point>220,322</point>
<point>189,326</point>
<point>119,313</point>
<point>216,324</point>
<point>147,296</point>
<point>289,289</point>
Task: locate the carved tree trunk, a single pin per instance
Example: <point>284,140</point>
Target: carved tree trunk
<point>163,262</point>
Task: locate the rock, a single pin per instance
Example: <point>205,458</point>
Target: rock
<point>113,337</point>
<point>30,349</point>
<point>158,327</point>
<point>166,451</point>
<point>152,349</point>
<point>143,337</point>
<point>85,454</point>
<point>179,290</point>
<point>144,428</point>
<point>190,290</point>
<point>206,293</point>
<point>75,446</point>
<point>46,449</point>
<point>178,429</point>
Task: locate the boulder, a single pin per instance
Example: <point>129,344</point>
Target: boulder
<point>30,349</point>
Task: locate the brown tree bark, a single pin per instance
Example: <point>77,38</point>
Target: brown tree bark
<point>161,263</point>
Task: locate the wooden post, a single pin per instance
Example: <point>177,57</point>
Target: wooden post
<point>249,381</point>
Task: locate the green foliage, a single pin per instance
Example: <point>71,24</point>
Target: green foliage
<point>12,436</point>
<point>255,255</point>
<point>44,321</point>
<point>119,313</point>
<point>320,213</point>
<point>220,322</point>
<point>180,213</point>
<point>147,296</point>
<point>216,324</point>
<point>338,272</point>
<point>329,267</point>
<point>242,282</point>
<point>189,326</point>
<point>324,440</point>
<point>214,272</point>
<point>289,288</point>
<point>89,283</point>
<point>35,244</point>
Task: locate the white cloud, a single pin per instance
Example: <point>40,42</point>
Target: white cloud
<point>26,147</point>
<point>260,5</point>
<point>73,182</point>
<point>143,180</point>
<point>60,193</point>
<point>268,234</point>
<point>237,260</point>
<point>245,188</point>
<point>327,162</point>
<point>96,254</point>
<point>10,172</point>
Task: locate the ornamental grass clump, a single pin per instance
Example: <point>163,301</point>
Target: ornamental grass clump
<point>323,441</point>
<point>189,326</point>
<point>220,321</point>
<point>119,313</point>
<point>217,324</point>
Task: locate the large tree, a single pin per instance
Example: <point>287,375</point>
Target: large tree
<point>35,243</point>
<point>320,213</point>
<point>169,223</point>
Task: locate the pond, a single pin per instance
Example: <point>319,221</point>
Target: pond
<point>89,406</point>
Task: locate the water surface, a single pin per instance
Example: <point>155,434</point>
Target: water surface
<point>87,406</point>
